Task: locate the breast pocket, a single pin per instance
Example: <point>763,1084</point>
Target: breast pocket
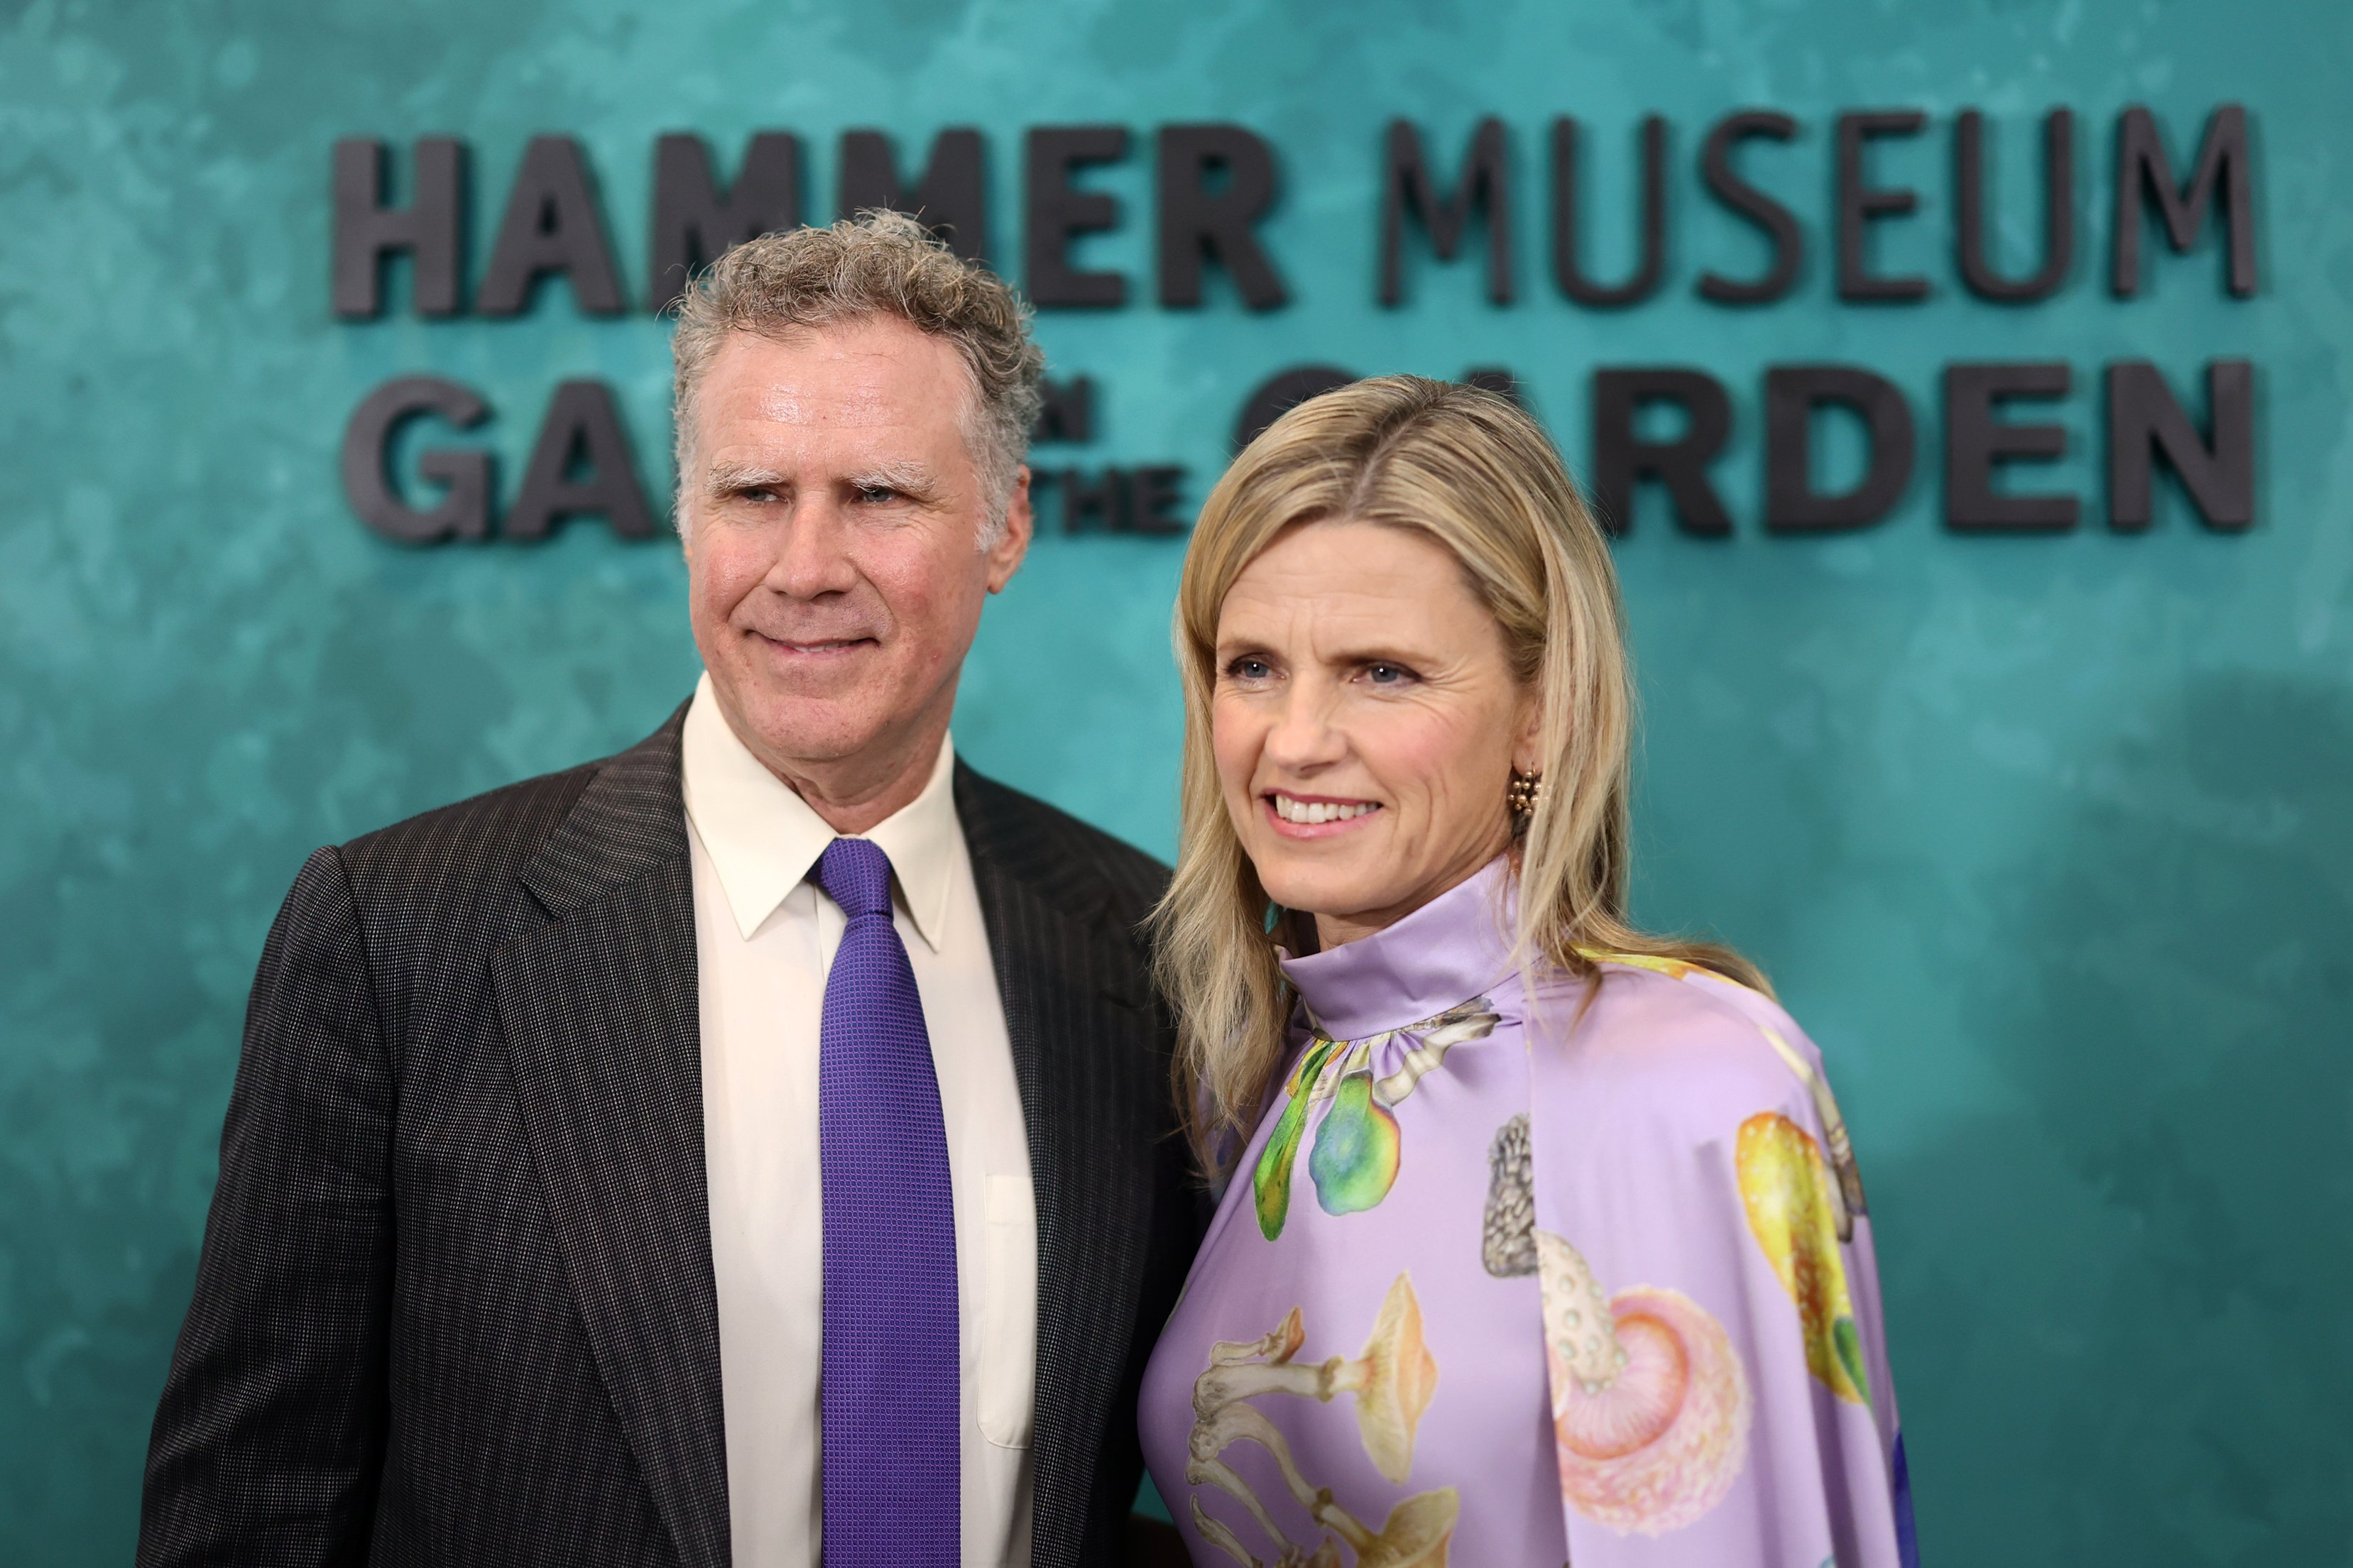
<point>1008,1311</point>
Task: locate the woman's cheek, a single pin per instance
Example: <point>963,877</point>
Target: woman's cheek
<point>1234,747</point>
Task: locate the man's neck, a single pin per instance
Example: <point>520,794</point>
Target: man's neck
<point>853,793</point>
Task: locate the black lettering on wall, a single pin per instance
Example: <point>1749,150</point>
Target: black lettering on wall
<point>1860,204</point>
<point>552,225</point>
<point>1484,185</point>
<point>430,229</point>
<point>581,464</point>
<point>1781,226</point>
<point>1567,270</point>
<point>1056,211</point>
<point>1793,392</point>
<point>1976,439</point>
<point>1271,399</point>
<point>1197,223</point>
<point>1154,491</point>
<point>1621,459</point>
<point>696,221</point>
<point>952,197</point>
<point>2146,424</point>
<point>1066,410</point>
<point>1102,499</point>
<point>464,509</point>
<point>2224,164</point>
<point>2058,211</point>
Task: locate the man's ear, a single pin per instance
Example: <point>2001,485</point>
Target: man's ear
<point>1012,539</point>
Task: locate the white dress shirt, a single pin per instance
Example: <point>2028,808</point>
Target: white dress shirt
<point>765,939</point>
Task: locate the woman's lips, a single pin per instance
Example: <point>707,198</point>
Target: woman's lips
<point>1314,817</point>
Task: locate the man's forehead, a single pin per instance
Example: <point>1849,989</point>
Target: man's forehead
<point>856,374</point>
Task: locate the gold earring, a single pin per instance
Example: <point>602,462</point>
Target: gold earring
<point>1523,793</point>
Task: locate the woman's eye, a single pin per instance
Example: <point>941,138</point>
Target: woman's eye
<point>1249,668</point>
<point>1387,674</point>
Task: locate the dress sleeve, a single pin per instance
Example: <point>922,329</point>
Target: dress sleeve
<point>1721,1396</point>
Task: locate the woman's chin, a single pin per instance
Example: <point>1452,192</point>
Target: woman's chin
<point>1329,890</point>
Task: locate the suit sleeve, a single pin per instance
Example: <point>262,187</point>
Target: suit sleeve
<point>269,1437</point>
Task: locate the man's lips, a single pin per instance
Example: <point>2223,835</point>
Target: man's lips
<point>814,648</point>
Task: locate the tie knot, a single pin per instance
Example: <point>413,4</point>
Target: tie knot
<point>855,874</point>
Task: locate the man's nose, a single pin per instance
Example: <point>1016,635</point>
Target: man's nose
<point>813,557</point>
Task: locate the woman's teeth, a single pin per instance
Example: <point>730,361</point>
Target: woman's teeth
<point>1310,813</point>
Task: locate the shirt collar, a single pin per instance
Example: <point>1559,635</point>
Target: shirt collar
<point>1453,948</point>
<point>763,837</point>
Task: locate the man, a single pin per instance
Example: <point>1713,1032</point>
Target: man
<point>702,1154</point>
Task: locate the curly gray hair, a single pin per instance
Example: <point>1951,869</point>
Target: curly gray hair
<point>879,263</point>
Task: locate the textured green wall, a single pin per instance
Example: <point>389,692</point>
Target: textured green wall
<point>2047,841</point>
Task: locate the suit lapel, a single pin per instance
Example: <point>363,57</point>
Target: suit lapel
<point>1070,1002</point>
<point>599,1009</point>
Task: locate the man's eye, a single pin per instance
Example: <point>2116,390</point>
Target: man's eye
<point>876,495</point>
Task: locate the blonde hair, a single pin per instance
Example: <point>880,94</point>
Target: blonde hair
<point>1471,470</point>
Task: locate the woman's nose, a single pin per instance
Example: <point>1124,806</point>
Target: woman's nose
<point>1303,735</point>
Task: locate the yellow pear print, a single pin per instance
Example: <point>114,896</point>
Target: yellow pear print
<point>1793,1212</point>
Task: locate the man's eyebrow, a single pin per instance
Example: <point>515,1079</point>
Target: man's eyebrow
<point>905,476</point>
<point>725,477</point>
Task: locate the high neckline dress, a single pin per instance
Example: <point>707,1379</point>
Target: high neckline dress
<point>1532,1274</point>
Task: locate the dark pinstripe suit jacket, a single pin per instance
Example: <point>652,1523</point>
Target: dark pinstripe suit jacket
<point>455,1303</point>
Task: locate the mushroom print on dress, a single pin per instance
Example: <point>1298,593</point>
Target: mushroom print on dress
<point>1615,1260</point>
<point>1390,1385</point>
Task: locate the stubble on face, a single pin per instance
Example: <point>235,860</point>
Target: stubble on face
<point>835,574</point>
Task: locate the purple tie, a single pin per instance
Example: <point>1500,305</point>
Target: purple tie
<point>890,1411</point>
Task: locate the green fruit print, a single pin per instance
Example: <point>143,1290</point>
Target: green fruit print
<point>1270,1182</point>
<point>1849,1342</point>
<point>1355,1162</point>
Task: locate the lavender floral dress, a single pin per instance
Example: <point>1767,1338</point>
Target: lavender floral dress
<point>1510,1277</point>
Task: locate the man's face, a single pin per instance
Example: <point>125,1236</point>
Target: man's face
<point>833,525</point>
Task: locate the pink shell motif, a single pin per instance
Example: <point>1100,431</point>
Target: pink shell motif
<point>1650,1406</point>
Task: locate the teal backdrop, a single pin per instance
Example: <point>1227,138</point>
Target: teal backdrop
<point>2049,841</point>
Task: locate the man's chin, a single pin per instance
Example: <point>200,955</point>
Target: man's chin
<point>798,725</point>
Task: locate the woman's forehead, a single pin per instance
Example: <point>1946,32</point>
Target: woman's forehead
<point>1338,578</point>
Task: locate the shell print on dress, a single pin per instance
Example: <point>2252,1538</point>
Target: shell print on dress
<point>1792,1207</point>
<point>1507,1238</point>
<point>1392,1383</point>
<point>1650,1406</point>
<point>1358,1147</point>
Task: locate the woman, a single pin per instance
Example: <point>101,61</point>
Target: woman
<point>1541,1241</point>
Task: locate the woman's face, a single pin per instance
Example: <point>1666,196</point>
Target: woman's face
<point>1366,723</point>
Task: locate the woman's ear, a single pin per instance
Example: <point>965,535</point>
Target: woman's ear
<point>1527,731</point>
